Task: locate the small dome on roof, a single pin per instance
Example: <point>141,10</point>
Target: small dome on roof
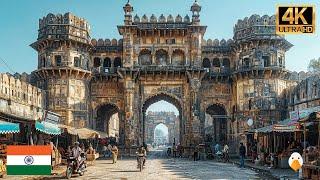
<point>153,18</point>
<point>162,18</point>
<point>170,18</point>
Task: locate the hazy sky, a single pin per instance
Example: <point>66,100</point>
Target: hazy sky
<point>19,24</point>
<point>163,106</point>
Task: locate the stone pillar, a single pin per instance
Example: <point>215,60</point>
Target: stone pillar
<point>195,111</point>
<point>130,121</point>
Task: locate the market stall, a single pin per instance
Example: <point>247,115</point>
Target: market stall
<point>51,132</point>
<point>90,134</point>
<point>277,142</point>
<point>311,166</point>
<point>6,129</point>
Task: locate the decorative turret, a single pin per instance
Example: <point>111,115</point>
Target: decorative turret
<point>258,44</point>
<point>195,9</point>
<point>128,9</point>
<point>64,47</point>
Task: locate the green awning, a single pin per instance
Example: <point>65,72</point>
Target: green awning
<point>48,128</point>
<point>8,127</point>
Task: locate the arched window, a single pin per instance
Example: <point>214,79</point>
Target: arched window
<point>226,63</point>
<point>145,57</point>
<point>96,62</point>
<point>117,62</point>
<point>77,62</point>
<point>216,62</point>
<point>266,61</point>
<point>177,57</point>
<point>280,61</point>
<point>246,62</point>
<point>107,62</point>
<point>43,62</point>
<point>206,63</point>
<point>161,57</point>
<point>58,60</point>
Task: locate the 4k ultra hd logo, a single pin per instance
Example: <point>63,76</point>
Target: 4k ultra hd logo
<point>295,19</point>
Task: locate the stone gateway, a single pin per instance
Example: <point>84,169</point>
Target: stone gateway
<point>216,85</point>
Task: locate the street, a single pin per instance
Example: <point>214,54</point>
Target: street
<point>160,167</point>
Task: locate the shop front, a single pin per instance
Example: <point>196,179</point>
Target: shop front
<point>7,129</point>
<point>311,166</point>
<point>276,143</point>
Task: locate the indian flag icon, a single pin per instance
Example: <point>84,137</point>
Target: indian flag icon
<point>29,160</point>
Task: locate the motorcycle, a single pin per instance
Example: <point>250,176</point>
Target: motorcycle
<point>140,162</point>
<point>72,166</point>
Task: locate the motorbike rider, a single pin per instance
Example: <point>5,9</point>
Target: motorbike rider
<point>141,152</point>
<point>76,153</point>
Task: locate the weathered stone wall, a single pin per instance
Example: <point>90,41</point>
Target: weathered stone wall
<point>20,98</point>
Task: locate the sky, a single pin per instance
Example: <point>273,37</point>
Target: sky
<point>19,24</point>
<point>163,106</point>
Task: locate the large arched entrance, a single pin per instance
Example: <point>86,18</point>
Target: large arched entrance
<point>216,124</point>
<point>177,137</point>
<point>107,119</point>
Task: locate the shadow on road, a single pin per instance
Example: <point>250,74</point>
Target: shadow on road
<point>127,171</point>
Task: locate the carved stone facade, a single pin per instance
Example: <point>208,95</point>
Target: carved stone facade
<point>165,58</point>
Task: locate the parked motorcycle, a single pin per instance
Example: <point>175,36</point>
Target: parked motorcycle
<point>72,166</point>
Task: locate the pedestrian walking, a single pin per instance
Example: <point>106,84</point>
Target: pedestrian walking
<point>226,153</point>
<point>242,153</point>
<point>195,153</point>
<point>174,149</point>
<point>115,153</point>
<point>109,150</point>
<point>104,150</point>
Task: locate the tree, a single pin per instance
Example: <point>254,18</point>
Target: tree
<point>314,65</point>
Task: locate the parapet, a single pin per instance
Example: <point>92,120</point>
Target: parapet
<point>161,19</point>
<point>67,26</point>
<point>66,19</point>
<point>255,26</point>
<point>216,42</point>
<point>106,42</point>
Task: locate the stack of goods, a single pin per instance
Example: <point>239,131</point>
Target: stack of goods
<point>3,155</point>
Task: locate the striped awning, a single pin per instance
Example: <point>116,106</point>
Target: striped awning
<point>48,128</point>
<point>8,127</point>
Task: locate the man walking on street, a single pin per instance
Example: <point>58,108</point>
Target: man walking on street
<point>114,151</point>
<point>242,153</point>
<point>174,149</point>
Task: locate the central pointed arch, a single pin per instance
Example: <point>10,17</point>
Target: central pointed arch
<point>154,99</point>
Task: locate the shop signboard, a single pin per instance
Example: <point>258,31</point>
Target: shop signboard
<point>51,117</point>
<point>303,113</point>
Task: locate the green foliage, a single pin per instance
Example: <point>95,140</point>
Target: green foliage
<point>314,65</point>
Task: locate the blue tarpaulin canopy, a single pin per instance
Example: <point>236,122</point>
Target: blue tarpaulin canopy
<point>48,128</point>
<point>8,127</point>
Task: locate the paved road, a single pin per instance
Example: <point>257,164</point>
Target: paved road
<point>159,167</point>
